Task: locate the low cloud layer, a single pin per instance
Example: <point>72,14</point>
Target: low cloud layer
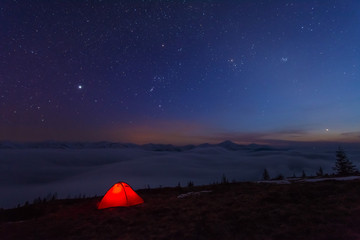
<point>26,174</point>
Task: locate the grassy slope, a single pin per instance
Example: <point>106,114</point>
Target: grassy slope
<point>323,210</point>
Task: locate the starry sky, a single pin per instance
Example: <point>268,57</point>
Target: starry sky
<point>180,71</point>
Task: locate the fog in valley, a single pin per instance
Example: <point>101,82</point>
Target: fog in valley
<point>29,173</point>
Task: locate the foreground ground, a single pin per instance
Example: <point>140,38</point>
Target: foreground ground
<point>321,210</point>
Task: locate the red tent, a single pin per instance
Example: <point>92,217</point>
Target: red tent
<point>120,195</point>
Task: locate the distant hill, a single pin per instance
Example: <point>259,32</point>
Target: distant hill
<point>228,145</point>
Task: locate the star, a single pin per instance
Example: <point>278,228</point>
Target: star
<point>132,60</point>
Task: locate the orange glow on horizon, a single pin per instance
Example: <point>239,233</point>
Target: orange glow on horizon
<point>177,133</point>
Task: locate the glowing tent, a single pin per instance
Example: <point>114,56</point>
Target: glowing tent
<point>120,195</point>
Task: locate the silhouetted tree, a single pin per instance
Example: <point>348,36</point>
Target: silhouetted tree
<point>343,166</point>
<point>190,184</point>
<point>279,177</point>
<point>320,172</point>
<point>266,175</point>
<point>224,179</point>
<point>303,175</point>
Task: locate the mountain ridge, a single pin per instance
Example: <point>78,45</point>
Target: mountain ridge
<point>228,145</point>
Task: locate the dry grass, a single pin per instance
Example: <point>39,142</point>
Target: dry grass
<point>322,210</point>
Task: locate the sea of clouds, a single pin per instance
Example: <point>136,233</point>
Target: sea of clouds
<point>26,174</point>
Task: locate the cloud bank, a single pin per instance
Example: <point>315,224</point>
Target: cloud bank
<point>26,174</point>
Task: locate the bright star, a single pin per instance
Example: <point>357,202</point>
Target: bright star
<point>80,87</point>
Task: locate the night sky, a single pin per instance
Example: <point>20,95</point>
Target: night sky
<point>180,71</point>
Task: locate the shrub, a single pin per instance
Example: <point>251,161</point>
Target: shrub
<point>224,179</point>
<point>279,177</point>
<point>265,175</point>
<point>320,172</point>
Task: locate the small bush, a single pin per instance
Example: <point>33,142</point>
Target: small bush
<point>279,177</point>
<point>224,179</point>
<point>265,175</point>
<point>190,184</point>
<point>320,172</point>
